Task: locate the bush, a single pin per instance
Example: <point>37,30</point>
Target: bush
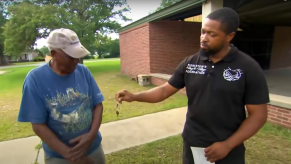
<point>38,58</point>
<point>107,56</point>
<point>89,57</point>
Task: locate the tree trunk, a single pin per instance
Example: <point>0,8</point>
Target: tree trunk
<point>2,57</point>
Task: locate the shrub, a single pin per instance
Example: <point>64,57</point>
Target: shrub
<point>38,58</point>
<point>89,57</point>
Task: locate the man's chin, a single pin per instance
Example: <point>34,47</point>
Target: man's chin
<point>206,52</point>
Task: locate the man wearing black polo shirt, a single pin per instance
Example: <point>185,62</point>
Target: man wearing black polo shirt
<point>220,82</point>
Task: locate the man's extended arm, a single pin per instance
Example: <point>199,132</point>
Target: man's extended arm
<point>256,119</point>
<point>156,94</point>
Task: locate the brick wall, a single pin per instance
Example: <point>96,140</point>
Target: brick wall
<point>277,115</point>
<point>157,47</point>
<point>281,50</point>
<point>134,51</point>
<point>171,42</point>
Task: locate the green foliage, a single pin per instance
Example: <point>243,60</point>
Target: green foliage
<point>165,4</point>
<point>2,38</point>
<point>23,26</point>
<point>106,47</point>
<point>38,58</point>
<point>90,57</point>
<point>115,49</point>
<point>88,18</point>
<point>43,51</point>
<point>102,44</point>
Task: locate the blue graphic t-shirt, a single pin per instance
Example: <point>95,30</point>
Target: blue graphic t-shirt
<point>64,103</point>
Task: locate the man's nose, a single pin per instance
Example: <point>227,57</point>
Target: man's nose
<point>203,38</point>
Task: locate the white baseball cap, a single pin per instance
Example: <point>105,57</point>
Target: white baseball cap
<point>68,41</point>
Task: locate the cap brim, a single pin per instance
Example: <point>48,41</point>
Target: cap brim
<point>76,51</point>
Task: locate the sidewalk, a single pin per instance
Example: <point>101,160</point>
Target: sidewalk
<point>116,135</point>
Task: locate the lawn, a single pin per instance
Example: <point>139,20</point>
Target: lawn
<point>271,145</point>
<point>107,75</point>
<point>27,63</point>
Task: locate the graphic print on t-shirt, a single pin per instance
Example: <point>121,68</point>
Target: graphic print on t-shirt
<point>72,110</point>
<point>232,75</point>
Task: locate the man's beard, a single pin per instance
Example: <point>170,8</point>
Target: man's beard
<point>211,52</point>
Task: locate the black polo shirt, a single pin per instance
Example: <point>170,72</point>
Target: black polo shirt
<point>217,94</point>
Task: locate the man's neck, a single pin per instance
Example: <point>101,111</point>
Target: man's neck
<point>54,67</point>
<point>220,55</point>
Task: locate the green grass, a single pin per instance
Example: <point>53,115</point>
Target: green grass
<point>271,145</point>
<point>26,63</point>
<point>107,75</point>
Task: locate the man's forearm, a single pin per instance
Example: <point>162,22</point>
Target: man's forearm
<point>97,120</point>
<point>249,127</point>
<point>47,136</point>
<point>154,95</point>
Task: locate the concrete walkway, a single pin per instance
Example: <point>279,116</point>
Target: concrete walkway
<point>116,135</point>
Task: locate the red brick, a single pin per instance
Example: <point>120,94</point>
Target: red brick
<point>158,47</point>
<point>287,123</point>
<point>271,114</point>
<point>276,112</point>
<point>134,51</point>
<point>272,108</point>
<point>283,118</point>
<point>284,110</point>
<point>287,115</point>
<point>275,119</point>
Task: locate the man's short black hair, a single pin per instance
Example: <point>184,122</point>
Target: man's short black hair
<point>228,18</point>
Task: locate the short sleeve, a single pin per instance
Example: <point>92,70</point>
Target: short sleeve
<point>32,108</point>
<point>177,80</point>
<point>97,96</point>
<point>256,88</point>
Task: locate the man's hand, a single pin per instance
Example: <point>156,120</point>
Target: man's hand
<point>217,151</point>
<point>82,144</point>
<point>124,95</point>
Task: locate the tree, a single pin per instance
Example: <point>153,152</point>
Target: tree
<point>43,51</point>
<point>23,26</point>
<point>88,18</point>
<point>114,49</point>
<point>102,44</point>
<point>165,4</point>
<point>2,38</point>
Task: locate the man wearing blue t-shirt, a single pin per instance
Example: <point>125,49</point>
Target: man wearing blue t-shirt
<point>64,104</point>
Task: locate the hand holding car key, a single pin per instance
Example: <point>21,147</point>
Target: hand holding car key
<point>117,108</point>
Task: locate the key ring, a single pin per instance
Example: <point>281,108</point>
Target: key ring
<point>117,108</point>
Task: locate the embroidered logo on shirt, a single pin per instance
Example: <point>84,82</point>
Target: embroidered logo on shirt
<point>196,69</point>
<point>232,75</point>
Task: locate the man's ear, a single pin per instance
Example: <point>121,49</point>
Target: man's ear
<point>53,53</point>
<point>230,36</point>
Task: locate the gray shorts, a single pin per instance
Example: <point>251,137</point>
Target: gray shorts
<point>97,155</point>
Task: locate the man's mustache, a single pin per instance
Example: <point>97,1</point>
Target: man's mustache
<point>204,44</point>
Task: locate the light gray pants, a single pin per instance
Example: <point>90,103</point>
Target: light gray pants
<point>97,155</point>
